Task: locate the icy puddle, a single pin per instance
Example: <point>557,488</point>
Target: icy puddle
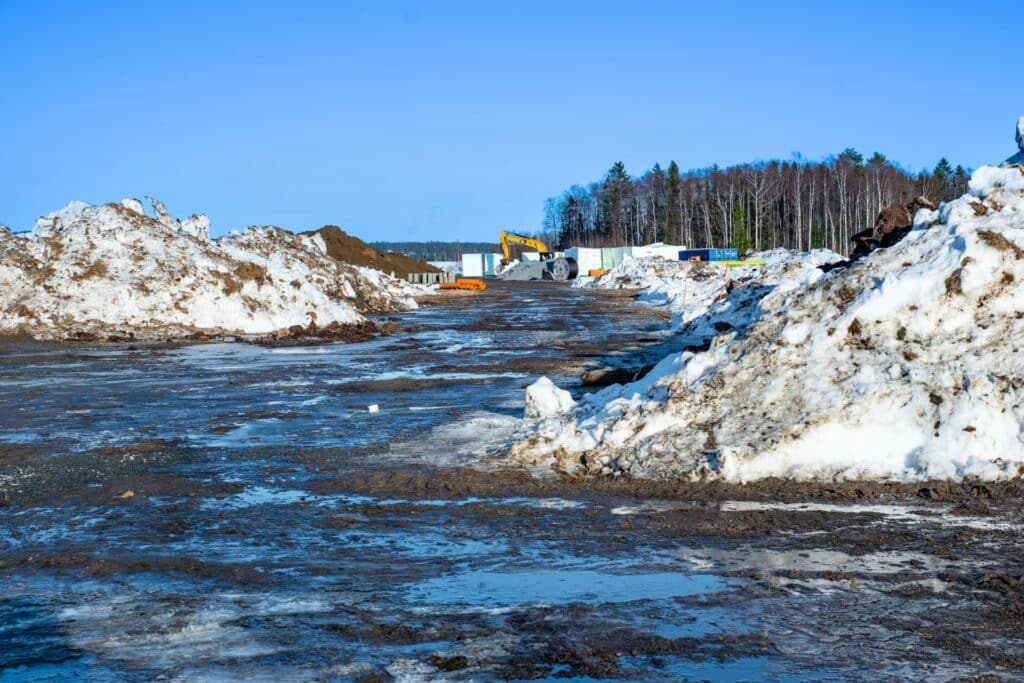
<point>491,589</point>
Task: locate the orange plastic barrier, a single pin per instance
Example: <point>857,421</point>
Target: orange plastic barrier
<point>465,283</point>
<point>597,272</point>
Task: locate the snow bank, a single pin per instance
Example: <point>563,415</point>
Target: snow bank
<point>905,367</point>
<point>710,292</point>
<point>110,270</point>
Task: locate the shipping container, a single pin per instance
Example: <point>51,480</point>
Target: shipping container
<point>723,254</point>
<point>612,256</point>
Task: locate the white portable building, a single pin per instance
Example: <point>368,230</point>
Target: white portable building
<point>587,259</point>
<point>472,265</point>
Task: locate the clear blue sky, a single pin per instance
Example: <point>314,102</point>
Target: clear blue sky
<point>452,120</point>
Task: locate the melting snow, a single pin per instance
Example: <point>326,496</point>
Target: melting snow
<point>903,367</point>
<point>111,270</point>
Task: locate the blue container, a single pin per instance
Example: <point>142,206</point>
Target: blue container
<point>727,254</point>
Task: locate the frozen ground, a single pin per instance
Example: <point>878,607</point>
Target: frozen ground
<point>229,512</point>
<point>904,367</point>
<point>112,271</point>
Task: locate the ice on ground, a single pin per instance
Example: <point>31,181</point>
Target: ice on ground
<point>111,270</point>
<point>903,367</point>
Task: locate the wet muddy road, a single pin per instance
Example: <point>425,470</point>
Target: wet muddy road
<point>229,511</point>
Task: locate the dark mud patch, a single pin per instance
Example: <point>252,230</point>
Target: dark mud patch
<point>465,482</point>
<point>111,565</point>
<point>405,384</point>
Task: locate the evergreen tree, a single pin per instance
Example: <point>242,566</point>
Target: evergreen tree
<point>673,217</point>
<point>817,236</point>
<point>943,178</point>
<point>657,187</point>
<point>960,179</point>
<point>614,193</point>
<point>851,156</point>
<point>740,237</point>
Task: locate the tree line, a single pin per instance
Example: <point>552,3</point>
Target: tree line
<point>436,250</point>
<point>796,204</point>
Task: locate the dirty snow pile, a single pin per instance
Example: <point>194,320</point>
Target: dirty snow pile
<point>703,294</point>
<point>904,367</point>
<point>112,271</point>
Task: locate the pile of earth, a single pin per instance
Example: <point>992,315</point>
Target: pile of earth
<point>343,247</point>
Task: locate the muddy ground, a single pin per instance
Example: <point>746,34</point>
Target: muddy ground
<point>233,512</point>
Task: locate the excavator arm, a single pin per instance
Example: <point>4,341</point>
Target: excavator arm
<point>508,238</point>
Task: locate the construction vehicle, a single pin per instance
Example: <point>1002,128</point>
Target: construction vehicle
<point>546,267</point>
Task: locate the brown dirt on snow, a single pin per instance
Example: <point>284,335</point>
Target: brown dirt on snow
<point>344,247</point>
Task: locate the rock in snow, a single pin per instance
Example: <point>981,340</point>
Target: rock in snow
<point>110,270</point>
<point>903,367</point>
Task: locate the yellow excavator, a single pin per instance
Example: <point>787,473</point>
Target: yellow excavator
<point>548,267</point>
<point>509,238</point>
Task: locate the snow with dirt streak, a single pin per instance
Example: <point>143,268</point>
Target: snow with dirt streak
<point>904,367</point>
<point>111,270</point>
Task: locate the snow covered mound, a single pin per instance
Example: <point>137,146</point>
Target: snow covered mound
<point>905,367</point>
<point>693,289</point>
<point>112,271</point>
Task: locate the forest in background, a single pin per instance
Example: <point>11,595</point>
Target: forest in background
<point>436,250</point>
<point>795,204</point>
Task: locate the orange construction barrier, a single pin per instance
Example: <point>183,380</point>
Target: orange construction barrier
<point>597,272</point>
<point>465,283</point>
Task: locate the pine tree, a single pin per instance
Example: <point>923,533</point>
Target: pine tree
<point>740,237</point>
<point>943,178</point>
<point>674,218</point>
<point>615,191</point>
<point>657,187</point>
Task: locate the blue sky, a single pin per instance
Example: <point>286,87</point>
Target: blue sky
<point>453,120</point>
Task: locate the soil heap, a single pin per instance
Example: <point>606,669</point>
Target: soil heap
<point>348,249</point>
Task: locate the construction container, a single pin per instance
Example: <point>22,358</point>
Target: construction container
<point>472,265</point>
<point>586,258</point>
<point>723,254</point>
<point>612,256</point>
